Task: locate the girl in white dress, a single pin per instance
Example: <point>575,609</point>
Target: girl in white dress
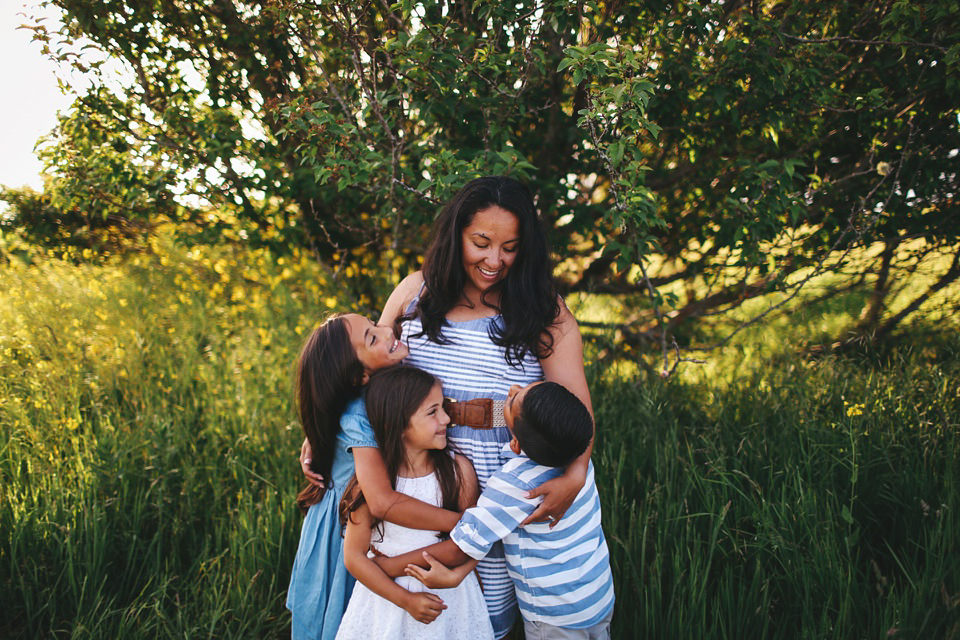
<point>405,407</point>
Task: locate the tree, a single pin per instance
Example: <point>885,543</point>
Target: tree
<point>736,147</point>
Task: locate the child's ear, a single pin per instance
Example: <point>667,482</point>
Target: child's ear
<point>514,444</point>
<point>365,378</point>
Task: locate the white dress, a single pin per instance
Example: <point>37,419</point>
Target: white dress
<point>370,617</point>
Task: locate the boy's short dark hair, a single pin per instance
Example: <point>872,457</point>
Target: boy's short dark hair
<point>553,427</point>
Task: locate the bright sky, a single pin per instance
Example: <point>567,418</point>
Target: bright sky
<point>31,98</point>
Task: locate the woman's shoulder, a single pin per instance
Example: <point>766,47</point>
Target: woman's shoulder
<point>403,294</point>
<point>564,320</point>
<point>412,284</point>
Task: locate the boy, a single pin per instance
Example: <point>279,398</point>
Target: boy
<point>561,574</point>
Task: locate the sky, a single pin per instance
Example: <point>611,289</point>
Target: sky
<point>30,100</point>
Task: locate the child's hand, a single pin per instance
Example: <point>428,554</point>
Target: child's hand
<point>306,457</point>
<point>438,576</point>
<point>424,607</point>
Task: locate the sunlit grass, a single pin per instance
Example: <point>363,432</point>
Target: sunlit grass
<point>148,461</point>
<point>148,440</point>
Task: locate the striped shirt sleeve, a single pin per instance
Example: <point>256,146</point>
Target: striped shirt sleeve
<point>502,506</point>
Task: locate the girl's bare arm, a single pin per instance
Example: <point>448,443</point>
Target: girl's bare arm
<point>385,503</point>
<point>438,576</point>
<point>424,606</point>
<point>446,552</point>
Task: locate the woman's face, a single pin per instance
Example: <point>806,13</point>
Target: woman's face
<point>376,346</point>
<point>489,244</point>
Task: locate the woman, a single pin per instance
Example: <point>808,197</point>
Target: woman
<point>484,314</point>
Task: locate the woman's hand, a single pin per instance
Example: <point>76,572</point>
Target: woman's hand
<point>306,457</point>
<point>424,607</point>
<point>558,494</point>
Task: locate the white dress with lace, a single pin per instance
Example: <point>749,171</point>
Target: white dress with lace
<point>370,617</point>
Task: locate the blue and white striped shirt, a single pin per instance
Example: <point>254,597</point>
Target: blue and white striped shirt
<point>561,575</point>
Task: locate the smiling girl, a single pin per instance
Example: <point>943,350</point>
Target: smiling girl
<point>335,362</point>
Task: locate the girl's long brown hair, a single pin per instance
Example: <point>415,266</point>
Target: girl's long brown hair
<point>329,375</point>
<point>392,396</point>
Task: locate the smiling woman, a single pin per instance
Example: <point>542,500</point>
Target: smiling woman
<point>490,244</point>
<point>484,315</point>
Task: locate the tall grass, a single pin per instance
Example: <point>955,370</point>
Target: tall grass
<point>147,446</point>
<point>794,498</point>
<point>148,466</point>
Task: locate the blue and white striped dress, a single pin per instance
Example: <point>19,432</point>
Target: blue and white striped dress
<point>472,366</point>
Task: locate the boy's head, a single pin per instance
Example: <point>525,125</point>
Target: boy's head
<point>548,423</point>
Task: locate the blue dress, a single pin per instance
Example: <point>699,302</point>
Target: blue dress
<point>472,366</point>
<point>320,585</point>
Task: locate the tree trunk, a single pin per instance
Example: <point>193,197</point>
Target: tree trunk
<point>875,306</point>
<point>952,274</point>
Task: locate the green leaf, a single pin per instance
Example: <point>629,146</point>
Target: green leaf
<point>615,151</point>
<point>846,515</point>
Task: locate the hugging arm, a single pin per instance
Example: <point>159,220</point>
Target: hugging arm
<point>446,552</point>
<point>564,366</point>
<point>384,501</point>
<point>439,576</point>
<point>388,504</point>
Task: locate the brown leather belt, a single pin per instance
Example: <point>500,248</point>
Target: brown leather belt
<point>479,413</point>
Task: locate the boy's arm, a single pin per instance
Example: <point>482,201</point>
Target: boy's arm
<point>439,576</point>
<point>446,552</point>
<point>423,606</point>
<point>502,507</point>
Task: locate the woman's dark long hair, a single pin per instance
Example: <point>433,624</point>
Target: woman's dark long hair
<point>329,375</point>
<point>392,396</point>
<point>528,297</point>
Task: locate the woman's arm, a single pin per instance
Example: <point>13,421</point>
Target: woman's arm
<point>385,503</point>
<point>306,453</point>
<point>564,366</point>
<point>398,301</point>
<point>423,606</point>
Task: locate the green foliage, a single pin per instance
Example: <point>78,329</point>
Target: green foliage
<point>33,217</point>
<point>147,449</point>
<point>734,147</point>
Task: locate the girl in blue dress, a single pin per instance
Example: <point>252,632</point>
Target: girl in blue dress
<point>334,364</point>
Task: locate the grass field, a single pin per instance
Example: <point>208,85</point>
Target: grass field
<point>148,464</point>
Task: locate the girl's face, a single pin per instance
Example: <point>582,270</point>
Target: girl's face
<point>489,245</point>
<point>427,428</point>
<point>376,346</point>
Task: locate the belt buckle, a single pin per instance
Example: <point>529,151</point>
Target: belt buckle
<point>450,407</point>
